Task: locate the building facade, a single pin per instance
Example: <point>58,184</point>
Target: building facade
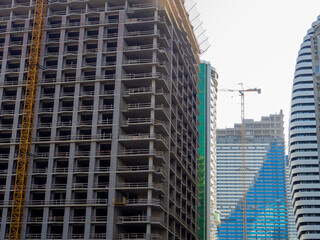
<point>266,211</point>
<point>292,230</point>
<point>304,137</point>
<point>207,161</point>
<point>114,152</point>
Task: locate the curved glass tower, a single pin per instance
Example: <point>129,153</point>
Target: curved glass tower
<point>304,137</point>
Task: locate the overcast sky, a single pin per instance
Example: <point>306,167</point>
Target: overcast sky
<point>255,42</point>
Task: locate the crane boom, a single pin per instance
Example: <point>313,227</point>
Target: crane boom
<point>20,185</point>
<point>243,153</point>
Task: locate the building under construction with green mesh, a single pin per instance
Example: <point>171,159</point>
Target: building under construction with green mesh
<point>207,166</point>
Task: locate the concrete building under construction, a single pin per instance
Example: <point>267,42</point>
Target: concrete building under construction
<point>115,134</point>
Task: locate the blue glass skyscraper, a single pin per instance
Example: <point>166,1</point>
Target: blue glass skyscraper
<point>266,211</point>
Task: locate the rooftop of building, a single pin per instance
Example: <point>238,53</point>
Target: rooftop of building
<point>269,127</point>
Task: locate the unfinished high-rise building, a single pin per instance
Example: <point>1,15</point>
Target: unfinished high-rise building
<point>115,138</point>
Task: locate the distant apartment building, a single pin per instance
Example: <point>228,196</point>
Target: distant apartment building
<point>304,136</point>
<point>207,160</point>
<point>115,143</point>
<point>266,211</point>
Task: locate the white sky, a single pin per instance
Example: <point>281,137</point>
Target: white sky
<point>255,42</point>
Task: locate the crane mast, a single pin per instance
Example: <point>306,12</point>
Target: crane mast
<point>243,167</point>
<point>20,185</point>
<point>243,152</point>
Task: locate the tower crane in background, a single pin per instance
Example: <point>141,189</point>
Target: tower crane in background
<point>243,152</point>
<point>20,185</point>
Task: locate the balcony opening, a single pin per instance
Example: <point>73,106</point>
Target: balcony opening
<point>78,230</point>
<point>93,19</point>
<point>110,73</point>
<point>36,213</point>
<point>3,167</point>
<point>40,165</point>
<point>72,48</point>
<point>108,87</point>
<point>14,52</point>
<point>82,164</point>
<point>57,214</point>
<point>100,229</point>
<point>111,59</point>
<point>59,197</point>
<point>72,63</point>
<point>62,164</point>
<point>68,91</point>
<point>84,149</point>
<point>42,149</point>
<point>112,31</point>
<point>65,120</point>
<point>50,76</point>
<point>104,164</point>
<point>9,93</point>
<point>48,91</point>
<point>56,230</point>
<point>73,35</point>
<point>101,196</point>
<point>16,38</point>
<point>88,88</point>
<point>63,150</point>
<point>37,196</point>
<point>85,119</point>
<point>60,182</point>
<point>13,65</point>
<point>107,102</point>
<point>92,33</point>
<point>74,21</point>
<point>107,119</point>
<point>70,76</point>
<point>55,21</point>
<point>54,35</point>
<point>34,229</point>
<point>66,105</point>
<point>17,25</point>
<point>52,64</point>
<point>39,180</point>
<point>53,49</point>
<point>91,61</point>
<point>105,149</point>
<point>47,106</point>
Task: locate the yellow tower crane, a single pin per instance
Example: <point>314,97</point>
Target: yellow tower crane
<point>243,152</point>
<point>20,185</point>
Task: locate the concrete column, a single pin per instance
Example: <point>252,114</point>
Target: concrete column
<point>19,95</point>
<point>50,180</point>
<point>73,149</point>
<point>5,54</point>
<point>94,130</point>
<point>167,184</point>
<point>115,128</point>
<point>14,130</point>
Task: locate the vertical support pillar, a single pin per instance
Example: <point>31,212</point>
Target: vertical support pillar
<point>50,180</point>
<point>115,129</point>
<point>94,130</point>
<point>72,149</point>
<point>15,119</point>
